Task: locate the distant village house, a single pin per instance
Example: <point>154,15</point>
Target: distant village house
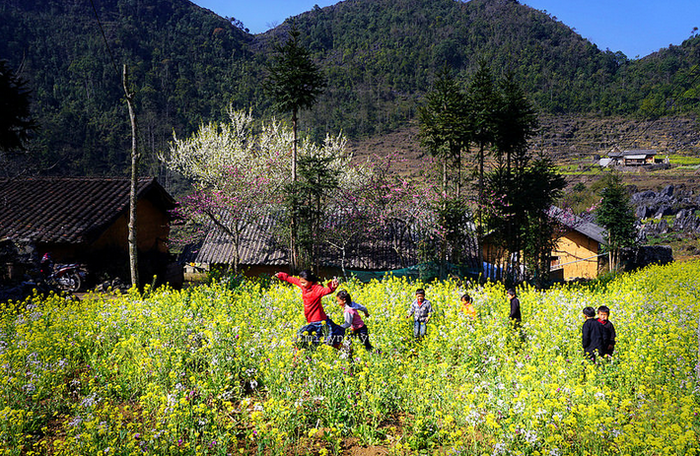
<point>632,158</point>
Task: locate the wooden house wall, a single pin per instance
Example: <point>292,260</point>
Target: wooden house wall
<point>574,246</point>
<point>152,230</point>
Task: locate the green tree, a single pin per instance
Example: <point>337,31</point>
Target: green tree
<point>542,186</point>
<point>16,123</point>
<point>444,124</point>
<point>483,102</point>
<point>306,200</point>
<point>616,215</point>
<point>294,82</point>
<point>515,122</point>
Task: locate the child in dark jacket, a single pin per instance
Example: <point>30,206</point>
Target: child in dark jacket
<point>591,334</point>
<point>608,331</point>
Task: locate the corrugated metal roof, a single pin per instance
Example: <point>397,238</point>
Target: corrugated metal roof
<point>629,152</point>
<point>576,223</point>
<point>259,246</point>
<point>68,210</point>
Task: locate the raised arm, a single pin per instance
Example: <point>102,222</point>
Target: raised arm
<point>330,287</point>
<point>283,276</point>
<point>361,308</point>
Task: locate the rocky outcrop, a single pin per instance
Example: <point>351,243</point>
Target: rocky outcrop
<point>679,203</point>
<point>640,257</point>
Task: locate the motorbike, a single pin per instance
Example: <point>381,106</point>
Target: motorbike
<point>66,277</point>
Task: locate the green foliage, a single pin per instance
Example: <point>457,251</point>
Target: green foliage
<point>306,201</point>
<point>16,125</point>
<point>378,57</point>
<point>183,60</point>
<point>294,81</point>
<point>541,187</point>
<point>211,370</point>
<point>615,213</point>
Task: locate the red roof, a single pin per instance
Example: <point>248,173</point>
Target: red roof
<point>69,210</point>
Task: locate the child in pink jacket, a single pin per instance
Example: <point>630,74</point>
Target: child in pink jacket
<point>353,321</point>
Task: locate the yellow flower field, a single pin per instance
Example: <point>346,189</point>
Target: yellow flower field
<point>213,370</point>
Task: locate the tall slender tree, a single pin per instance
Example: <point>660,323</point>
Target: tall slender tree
<point>515,124</point>
<point>542,185</point>
<point>616,215</point>
<point>483,102</point>
<point>135,162</point>
<point>294,82</point>
<point>444,125</point>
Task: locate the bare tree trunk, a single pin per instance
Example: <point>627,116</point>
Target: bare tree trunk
<point>135,158</point>
<point>294,259</point>
<point>480,209</point>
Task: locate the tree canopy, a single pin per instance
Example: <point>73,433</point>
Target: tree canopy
<point>16,122</point>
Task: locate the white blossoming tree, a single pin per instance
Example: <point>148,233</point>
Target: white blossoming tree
<point>240,170</point>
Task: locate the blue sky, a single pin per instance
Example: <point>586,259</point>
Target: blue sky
<point>635,27</point>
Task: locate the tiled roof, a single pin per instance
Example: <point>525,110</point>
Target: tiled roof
<point>68,210</point>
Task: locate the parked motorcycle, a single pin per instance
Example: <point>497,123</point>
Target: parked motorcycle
<point>66,277</point>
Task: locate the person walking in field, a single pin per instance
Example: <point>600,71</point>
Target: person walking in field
<point>608,332</point>
<point>515,316</point>
<point>591,334</point>
<point>352,319</point>
<point>319,326</point>
<point>421,309</point>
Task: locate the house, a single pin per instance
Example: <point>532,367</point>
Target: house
<point>577,253</point>
<point>85,219</point>
<point>260,252</point>
<point>578,250</point>
<point>633,157</point>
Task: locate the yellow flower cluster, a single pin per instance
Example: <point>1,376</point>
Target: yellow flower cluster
<point>213,370</point>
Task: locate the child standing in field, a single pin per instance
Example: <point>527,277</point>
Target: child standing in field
<point>467,307</point>
<point>318,323</point>
<point>591,334</point>
<point>421,309</point>
<point>352,319</point>
<point>608,331</point>
<point>515,316</point>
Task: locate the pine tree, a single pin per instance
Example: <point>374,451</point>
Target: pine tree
<point>444,128</point>
<point>16,124</point>
<point>616,215</point>
<point>294,82</point>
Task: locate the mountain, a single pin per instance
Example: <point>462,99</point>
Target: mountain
<point>379,57</point>
<point>180,59</point>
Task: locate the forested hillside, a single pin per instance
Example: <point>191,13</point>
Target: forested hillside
<point>379,57</point>
<point>181,58</point>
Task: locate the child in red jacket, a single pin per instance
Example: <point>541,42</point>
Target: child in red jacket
<point>319,326</point>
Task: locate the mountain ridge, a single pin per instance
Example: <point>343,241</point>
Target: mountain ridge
<point>380,56</point>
